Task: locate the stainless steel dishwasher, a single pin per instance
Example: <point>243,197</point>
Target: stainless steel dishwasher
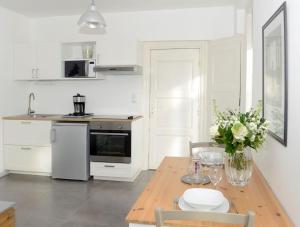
<point>70,156</point>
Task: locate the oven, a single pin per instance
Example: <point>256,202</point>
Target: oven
<point>110,142</point>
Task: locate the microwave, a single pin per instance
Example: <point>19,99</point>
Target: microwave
<point>80,68</point>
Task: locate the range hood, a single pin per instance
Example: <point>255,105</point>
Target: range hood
<point>119,69</point>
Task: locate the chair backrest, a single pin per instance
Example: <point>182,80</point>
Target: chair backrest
<point>225,218</point>
<point>204,145</point>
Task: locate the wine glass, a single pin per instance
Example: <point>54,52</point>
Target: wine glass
<point>194,171</point>
<point>215,174</point>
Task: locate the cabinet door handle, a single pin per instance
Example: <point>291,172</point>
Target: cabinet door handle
<point>109,166</point>
<point>26,122</point>
<point>34,73</point>
<point>26,148</point>
<point>109,134</point>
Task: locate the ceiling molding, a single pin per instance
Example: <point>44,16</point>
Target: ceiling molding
<point>48,8</point>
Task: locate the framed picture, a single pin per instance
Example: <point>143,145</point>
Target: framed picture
<point>275,74</point>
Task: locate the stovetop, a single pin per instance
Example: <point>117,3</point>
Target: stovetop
<point>122,117</point>
<point>72,115</point>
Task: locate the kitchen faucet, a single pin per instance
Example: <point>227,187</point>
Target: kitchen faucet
<point>31,111</point>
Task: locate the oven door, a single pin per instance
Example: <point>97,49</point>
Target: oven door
<point>110,146</point>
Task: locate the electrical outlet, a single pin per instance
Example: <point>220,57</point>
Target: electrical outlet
<point>133,98</point>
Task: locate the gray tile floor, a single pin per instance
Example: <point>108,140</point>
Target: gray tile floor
<point>43,202</point>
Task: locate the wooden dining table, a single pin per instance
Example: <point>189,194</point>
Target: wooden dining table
<point>166,185</point>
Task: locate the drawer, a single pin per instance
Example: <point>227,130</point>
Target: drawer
<point>35,133</point>
<point>102,169</point>
<point>27,158</point>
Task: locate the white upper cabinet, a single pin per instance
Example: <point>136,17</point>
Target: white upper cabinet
<point>24,61</point>
<point>39,61</point>
<point>48,61</point>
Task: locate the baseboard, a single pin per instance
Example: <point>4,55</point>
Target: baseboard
<point>29,173</point>
<point>4,173</point>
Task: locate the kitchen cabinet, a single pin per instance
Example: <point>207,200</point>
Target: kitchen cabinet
<point>37,61</point>
<point>24,132</point>
<point>24,61</point>
<point>48,61</point>
<point>27,158</point>
<point>27,146</point>
<point>111,170</point>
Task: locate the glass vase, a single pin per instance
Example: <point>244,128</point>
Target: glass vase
<point>87,51</point>
<point>238,167</point>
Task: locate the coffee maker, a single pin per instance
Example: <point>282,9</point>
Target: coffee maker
<point>79,105</point>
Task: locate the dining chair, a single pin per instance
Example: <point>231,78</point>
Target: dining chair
<point>217,217</point>
<point>203,145</point>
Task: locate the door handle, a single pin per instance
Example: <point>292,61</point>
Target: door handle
<point>109,166</point>
<point>25,122</point>
<point>153,109</point>
<point>53,135</point>
<point>33,73</point>
<point>26,148</point>
<point>109,134</point>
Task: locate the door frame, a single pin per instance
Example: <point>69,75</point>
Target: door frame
<point>163,45</point>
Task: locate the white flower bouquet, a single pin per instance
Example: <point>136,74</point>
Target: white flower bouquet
<point>238,131</point>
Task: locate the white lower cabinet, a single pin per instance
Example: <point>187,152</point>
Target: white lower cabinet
<point>27,146</point>
<point>111,170</point>
<point>27,158</point>
<point>22,132</point>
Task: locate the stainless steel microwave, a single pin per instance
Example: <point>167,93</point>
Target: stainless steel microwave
<point>80,68</point>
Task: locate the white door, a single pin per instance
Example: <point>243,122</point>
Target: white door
<point>224,74</point>
<point>24,61</point>
<point>173,102</point>
<point>49,61</point>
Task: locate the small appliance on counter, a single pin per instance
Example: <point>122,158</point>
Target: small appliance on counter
<point>79,104</point>
<point>80,68</point>
<point>79,107</point>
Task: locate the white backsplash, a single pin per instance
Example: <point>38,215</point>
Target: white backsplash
<point>114,95</point>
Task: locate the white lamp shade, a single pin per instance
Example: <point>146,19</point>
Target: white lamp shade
<point>92,18</point>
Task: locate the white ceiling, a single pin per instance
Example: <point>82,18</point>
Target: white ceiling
<point>44,8</point>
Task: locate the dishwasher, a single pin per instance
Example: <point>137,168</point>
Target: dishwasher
<point>70,156</point>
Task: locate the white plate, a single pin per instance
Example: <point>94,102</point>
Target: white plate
<point>224,208</point>
<point>203,198</point>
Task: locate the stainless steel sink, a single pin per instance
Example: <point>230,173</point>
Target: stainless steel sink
<point>40,115</point>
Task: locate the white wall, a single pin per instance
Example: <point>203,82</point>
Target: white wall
<point>13,27</point>
<point>281,165</point>
<point>240,21</point>
<point>110,96</point>
<point>120,46</point>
